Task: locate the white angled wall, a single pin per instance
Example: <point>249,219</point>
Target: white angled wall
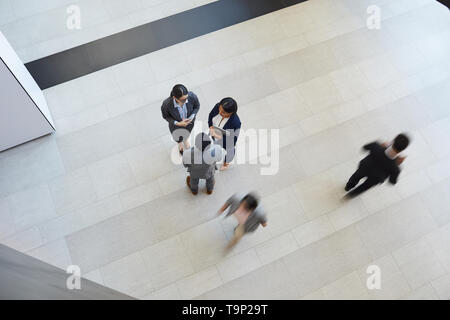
<point>24,114</point>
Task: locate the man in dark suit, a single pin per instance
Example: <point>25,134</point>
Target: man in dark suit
<point>382,162</point>
<point>179,110</point>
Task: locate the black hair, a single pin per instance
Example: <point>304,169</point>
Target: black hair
<point>178,91</point>
<point>401,142</point>
<point>229,105</point>
<point>206,141</point>
<point>251,201</point>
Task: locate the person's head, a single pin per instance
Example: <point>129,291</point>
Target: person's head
<point>202,141</point>
<point>227,107</point>
<point>179,93</point>
<point>250,202</point>
<point>401,142</point>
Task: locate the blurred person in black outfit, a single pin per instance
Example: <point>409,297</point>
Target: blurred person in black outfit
<point>382,162</point>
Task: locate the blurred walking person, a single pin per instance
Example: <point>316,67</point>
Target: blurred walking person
<point>248,213</point>
<point>382,162</point>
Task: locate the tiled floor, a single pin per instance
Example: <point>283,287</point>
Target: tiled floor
<point>39,28</point>
<point>103,193</point>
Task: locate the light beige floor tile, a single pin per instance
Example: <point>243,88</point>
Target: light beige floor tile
<point>269,282</point>
<point>149,161</point>
<point>276,248</point>
<point>396,226</point>
<point>317,195</point>
<point>98,142</point>
<point>54,253</point>
<point>317,123</point>
<point>128,275</point>
<point>165,70</point>
<point>140,195</point>
<point>317,295</point>
<point>393,284</point>
<point>348,110</point>
<point>439,171</point>
<point>111,176</point>
<point>180,211</point>
<point>81,120</point>
<point>320,93</point>
<point>442,287</point>
<point>199,283</point>
<point>167,262</point>
<point>31,206</point>
<point>24,240</point>
<point>112,239</point>
<point>94,276</point>
<point>72,191</point>
<point>327,260</point>
<point>133,74</point>
<point>238,265</point>
<point>168,293</point>
<point>351,82</point>
<point>418,263</point>
<point>350,212</point>
<point>7,227</point>
<point>437,201</point>
<point>426,292</point>
<point>413,183</point>
<point>439,240</point>
<point>313,231</point>
<point>204,244</point>
<point>285,211</point>
<point>349,287</point>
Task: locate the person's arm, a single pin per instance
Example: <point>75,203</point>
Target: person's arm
<point>196,106</point>
<point>370,146</point>
<point>231,149</point>
<point>166,115</point>
<point>236,134</point>
<point>263,221</point>
<point>219,153</point>
<point>394,176</point>
<point>223,208</point>
<point>187,159</point>
<point>400,160</point>
<point>214,112</point>
<point>226,205</point>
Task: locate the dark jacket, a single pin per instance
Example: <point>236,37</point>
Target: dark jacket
<point>379,165</point>
<point>233,125</point>
<point>171,114</point>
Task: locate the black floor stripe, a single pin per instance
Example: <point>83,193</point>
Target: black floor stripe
<point>129,44</point>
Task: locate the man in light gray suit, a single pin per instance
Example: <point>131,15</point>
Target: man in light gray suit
<point>200,162</point>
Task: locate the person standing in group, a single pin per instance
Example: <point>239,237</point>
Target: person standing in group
<point>224,125</point>
<point>179,110</point>
<point>201,162</point>
<point>382,162</point>
<point>248,213</point>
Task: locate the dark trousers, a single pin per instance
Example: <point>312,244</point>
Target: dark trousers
<point>366,185</point>
<point>209,184</point>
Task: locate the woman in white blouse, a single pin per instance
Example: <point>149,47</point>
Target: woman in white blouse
<point>224,116</point>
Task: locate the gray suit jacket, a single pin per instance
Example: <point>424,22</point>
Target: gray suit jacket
<point>202,165</point>
<point>171,114</point>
